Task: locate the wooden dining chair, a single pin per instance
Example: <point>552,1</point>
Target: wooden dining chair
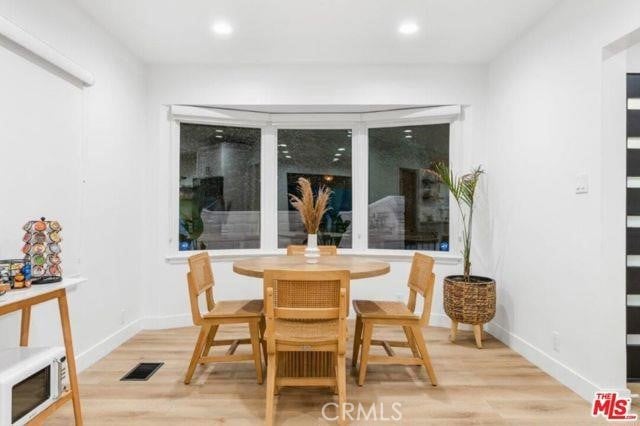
<point>294,250</point>
<point>306,312</point>
<point>200,279</point>
<point>370,313</point>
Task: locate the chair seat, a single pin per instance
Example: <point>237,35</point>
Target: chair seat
<point>306,331</point>
<point>236,309</point>
<point>380,309</point>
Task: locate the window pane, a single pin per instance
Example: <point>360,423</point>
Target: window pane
<point>324,157</point>
<point>408,209</point>
<point>219,187</point>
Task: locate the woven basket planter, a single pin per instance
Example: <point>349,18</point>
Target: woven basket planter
<point>472,302</point>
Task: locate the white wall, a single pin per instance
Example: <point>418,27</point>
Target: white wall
<point>558,257</point>
<point>292,85</point>
<point>544,111</point>
<point>76,154</point>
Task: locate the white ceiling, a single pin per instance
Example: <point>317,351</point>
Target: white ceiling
<point>313,31</point>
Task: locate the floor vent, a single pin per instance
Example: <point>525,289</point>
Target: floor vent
<point>142,371</point>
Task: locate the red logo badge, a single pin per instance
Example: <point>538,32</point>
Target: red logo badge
<point>612,407</point>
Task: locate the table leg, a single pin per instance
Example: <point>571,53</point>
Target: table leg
<point>24,326</point>
<point>71,360</point>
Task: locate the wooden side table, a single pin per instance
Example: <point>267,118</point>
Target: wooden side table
<point>22,300</point>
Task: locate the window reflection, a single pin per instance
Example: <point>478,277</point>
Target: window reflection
<point>408,208</point>
<point>219,187</point>
<point>324,157</point>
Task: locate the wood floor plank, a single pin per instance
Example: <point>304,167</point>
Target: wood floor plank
<point>492,386</point>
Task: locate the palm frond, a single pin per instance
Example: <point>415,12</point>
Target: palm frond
<point>463,189</point>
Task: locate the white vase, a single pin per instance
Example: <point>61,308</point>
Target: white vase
<point>312,252</point>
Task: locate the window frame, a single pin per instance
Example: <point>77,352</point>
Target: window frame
<point>269,123</point>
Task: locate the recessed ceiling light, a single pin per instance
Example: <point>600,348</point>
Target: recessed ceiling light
<point>408,27</point>
<point>336,159</point>
<point>408,136</point>
<point>337,154</point>
<point>285,152</point>
<point>341,149</point>
<point>219,130</point>
<point>282,144</point>
<point>219,136</point>
<point>287,156</point>
<point>222,28</point>
<point>408,130</point>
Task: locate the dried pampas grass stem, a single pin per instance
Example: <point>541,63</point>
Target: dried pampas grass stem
<point>311,212</point>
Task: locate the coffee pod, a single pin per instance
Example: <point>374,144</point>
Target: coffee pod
<point>37,271</point>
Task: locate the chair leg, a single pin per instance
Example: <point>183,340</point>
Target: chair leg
<point>411,341</point>
<point>341,379</point>
<point>197,351</point>
<point>454,330</point>
<point>209,342</point>
<point>263,341</point>
<point>271,387</point>
<point>255,346</point>
<point>366,346</point>
<point>357,341</point>
<point>426,360</point>
<point>477,332</point>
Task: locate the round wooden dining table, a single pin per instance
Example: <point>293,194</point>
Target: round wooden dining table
<point>359,267</point>
<point>310,364</point>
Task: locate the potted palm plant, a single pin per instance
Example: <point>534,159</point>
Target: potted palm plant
<point>311,212</point>
<point>468,299</point>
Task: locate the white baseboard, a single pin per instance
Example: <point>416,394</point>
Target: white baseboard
<point>556,369</point>
<point>184,320</point>
<point>442,320</point>
<point>168,321</point>
<point>95,353</point>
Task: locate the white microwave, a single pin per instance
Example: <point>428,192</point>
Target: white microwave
<point>31,379</point>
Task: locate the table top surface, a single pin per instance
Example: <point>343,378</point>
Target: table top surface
<point>360,267</point>
<point>21,294</point>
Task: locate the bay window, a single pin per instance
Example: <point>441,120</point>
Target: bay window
<point>219,199</point>
<point>234,172</point>
<point>408,208</point>
<point>324,157</point>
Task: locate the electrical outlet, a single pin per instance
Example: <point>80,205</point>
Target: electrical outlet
<point>556,341</point>
<point>582,184</point>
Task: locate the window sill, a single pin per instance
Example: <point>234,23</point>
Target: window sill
<point>442,258</point>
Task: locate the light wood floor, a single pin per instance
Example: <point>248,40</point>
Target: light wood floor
<point>491,386</point>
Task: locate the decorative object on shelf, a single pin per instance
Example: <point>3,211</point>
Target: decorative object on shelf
<point>15,273</point>
<point>42,250</point>
<point>311,212</point>
<point>468,299</point>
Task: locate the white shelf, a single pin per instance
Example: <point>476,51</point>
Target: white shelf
<point>18,295</point>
